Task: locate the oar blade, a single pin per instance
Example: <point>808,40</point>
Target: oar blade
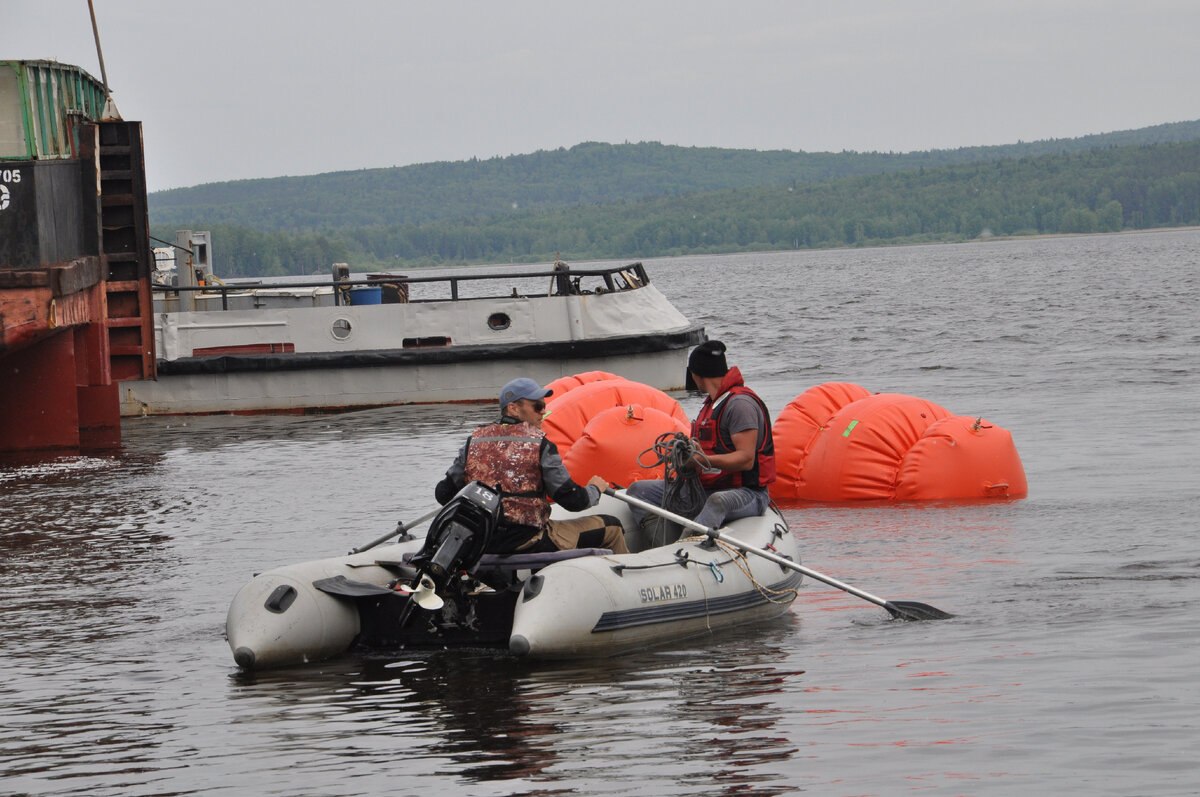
<point>913,610</point>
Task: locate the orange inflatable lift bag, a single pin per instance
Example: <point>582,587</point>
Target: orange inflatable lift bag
<point>857,454</point>
<point>570,413</point>
<point>962,457</point>
<point>797,427</point>
<point>890,446</point>
<point>566,383</point>
<point>613,440</point>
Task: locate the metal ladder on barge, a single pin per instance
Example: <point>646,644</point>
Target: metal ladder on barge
<point>125,252</point>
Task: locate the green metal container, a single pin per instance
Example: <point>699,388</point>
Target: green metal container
<point>36,100</point>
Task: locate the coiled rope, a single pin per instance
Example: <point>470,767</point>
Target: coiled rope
<point>677,454</point>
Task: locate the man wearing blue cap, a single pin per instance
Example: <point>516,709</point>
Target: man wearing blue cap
<point>514,456</point>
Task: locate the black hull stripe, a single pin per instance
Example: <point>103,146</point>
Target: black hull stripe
<point>448,355</point>
<point>649,615</point>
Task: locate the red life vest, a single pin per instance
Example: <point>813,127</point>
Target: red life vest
<point>714,439</point>
<point>507,456</point>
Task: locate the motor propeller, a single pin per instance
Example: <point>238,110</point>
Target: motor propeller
<point>424,593</point>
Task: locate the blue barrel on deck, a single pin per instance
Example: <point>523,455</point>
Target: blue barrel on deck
<point>366,294</point>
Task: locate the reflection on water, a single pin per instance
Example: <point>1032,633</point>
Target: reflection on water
<point>679,718</point>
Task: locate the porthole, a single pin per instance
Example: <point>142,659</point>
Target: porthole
<point>341,329</point>
<point>499,321</point>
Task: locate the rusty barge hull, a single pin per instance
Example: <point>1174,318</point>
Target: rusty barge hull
<point>76,316</point>
<point>56,391</point>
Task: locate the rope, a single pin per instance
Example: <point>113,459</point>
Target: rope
<point>738,557</point>
<point>682,491</point>
<point>171,244</point>
<point>681,560</point>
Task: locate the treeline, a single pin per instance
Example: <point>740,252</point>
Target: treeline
<point>1102,190</point>
<point>587,174</point>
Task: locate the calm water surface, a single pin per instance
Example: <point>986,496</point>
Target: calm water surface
<point>1070,668</point>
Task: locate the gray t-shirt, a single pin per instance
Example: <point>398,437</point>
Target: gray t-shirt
<point>741,414</point>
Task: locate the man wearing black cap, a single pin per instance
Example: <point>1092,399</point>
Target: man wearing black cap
<point>738,452</point>
<point>514,456</point>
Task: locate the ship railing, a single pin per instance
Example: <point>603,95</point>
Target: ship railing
<point>564,281</point>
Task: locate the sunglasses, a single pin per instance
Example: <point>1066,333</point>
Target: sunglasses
<point>538,406</point>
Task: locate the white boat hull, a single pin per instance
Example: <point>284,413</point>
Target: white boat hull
<point>379,386</point>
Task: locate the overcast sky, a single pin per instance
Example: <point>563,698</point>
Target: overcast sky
<point>232,89</point>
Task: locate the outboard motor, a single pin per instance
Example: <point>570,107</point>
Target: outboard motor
<point>458,535</point>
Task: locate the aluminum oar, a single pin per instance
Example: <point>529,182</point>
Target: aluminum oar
<point>401,528</point>
<point>901,610</point>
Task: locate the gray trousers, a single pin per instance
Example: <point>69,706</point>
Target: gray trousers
<point>721,506</point>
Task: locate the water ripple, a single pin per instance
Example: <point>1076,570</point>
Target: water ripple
<point>1067,669</point>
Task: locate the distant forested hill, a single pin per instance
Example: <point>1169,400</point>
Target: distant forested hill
<point>587,174</point>
<point>1096,190</point>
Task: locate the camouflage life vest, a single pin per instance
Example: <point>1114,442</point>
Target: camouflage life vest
<point>507,456</point>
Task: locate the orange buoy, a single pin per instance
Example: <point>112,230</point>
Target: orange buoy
<point>889,446</point>
<point>612,442</point>
<point>566,383</point>
<point>571,412</point>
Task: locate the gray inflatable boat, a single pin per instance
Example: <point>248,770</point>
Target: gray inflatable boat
<point>442,591</point>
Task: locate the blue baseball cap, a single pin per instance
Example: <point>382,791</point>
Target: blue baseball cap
<point>523,388</point>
